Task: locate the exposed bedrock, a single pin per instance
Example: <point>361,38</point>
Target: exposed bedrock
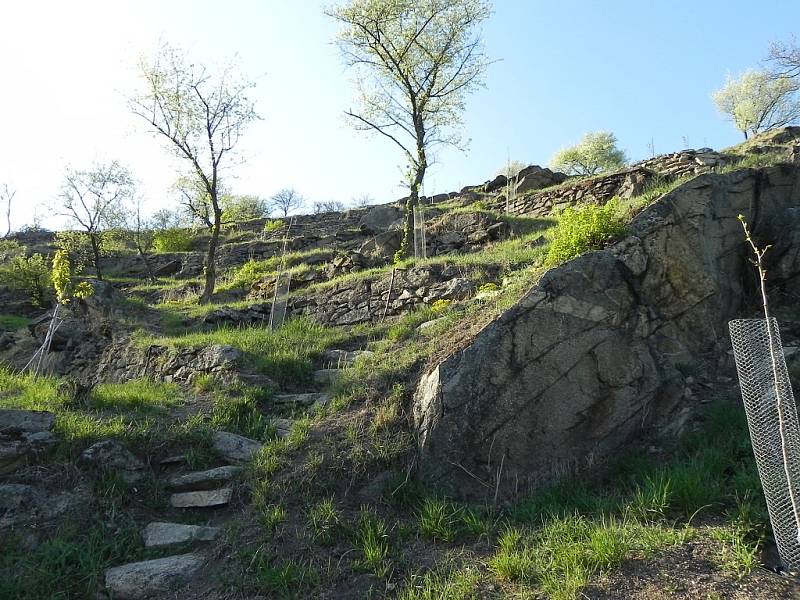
<point>589,357</point>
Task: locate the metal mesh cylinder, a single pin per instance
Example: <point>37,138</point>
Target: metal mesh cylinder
<point>277,314</point>
<point>774,431</point>
<point>420,245</point>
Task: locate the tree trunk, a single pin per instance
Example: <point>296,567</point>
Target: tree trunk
<point>95,242</point>
<point>211,257</point>
<point>148,267</point>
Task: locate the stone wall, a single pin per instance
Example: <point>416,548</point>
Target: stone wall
<point>589,358</point>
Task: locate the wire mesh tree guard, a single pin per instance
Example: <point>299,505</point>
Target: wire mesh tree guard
<point>420,246</point>
<point>771,416</point>
<point>283,281</point>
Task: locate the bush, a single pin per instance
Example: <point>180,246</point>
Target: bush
<point>174,239</point>
<point>272,225</point>
<point>29,274</point>
<point>78,247</point>
<point>582,229</point>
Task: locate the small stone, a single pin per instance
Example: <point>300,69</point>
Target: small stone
<point>283,427</point>
<point>201,499</point>
<point>301,399</point>
<point>111,456</point>
<point>152,577</point>
<point>173,460</point>
<point>203,480</point>
<point>234,447</point>
<point>158,535</point>
<point>326,376</point>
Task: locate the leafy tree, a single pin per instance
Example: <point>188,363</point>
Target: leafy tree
<point>78,247</point>
<point>95,199</point>
<point>202,118</point>
<point>285,201</point>
<point>63,275</point>
<point>6,197</point>
<point>10,249</point>
<point>30,274</point>
<point>173,239</point>
<point>596,153</point>
<point>416,61</point>
<point>758,101</point>
<point>165,218</point>
<point>512,168</point>
<point>236,209</point>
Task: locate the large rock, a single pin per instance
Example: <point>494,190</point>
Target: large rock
<point>152,578</point>
<point>26,420</point>
<point>535,177</point>
<point>201,498</point>
<point>379,219</point>
<point>23,435</point>
<point>588,358</point>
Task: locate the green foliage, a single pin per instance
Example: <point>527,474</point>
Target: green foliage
<point>759,100</point>
<point>236,409</point>
<point>596,153</point>
<point>236,209</point>
<point>443,585</point>
<point>439,519</point>
<point>78,246</point>
<point>12,322</point>
<point>440,306</point>
<point>273,225</point>
<point>174,239</point>
<point>325,521</point>
<point>489,287</point>
<point>62,277</point>
<point>29,274</point>
<point>372,537</point>
<point>10,249</point>
<point>408,324</point>
<point>582,229</point>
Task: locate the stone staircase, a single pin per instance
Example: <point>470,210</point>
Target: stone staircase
<point>209,490</point>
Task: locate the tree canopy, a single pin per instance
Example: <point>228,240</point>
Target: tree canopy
<point>759,100</point>
<point>415,62</point>
<point>596,153</point>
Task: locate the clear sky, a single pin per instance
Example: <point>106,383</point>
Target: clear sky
<point>642,69</point>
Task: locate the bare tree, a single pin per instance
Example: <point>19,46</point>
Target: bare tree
<point>416,62</point>
<point>139,231</point>
<point>7,196</point>
<point>202,118</point>
<point>362,201</point>
<point>326,206</point>
<point>285,201</point>
<point>95,199</point>
<point>785,58</point>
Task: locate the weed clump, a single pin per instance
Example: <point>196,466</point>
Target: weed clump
<point>582,229</point>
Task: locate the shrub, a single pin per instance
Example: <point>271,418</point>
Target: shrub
<point>174,239</point>
<point>78,247</point>
<point>10,249</point>
<point>582,229</point>
<point>440,306</point>
<point>489,287</point>
<point>272,225</point>
<point>30,275</point>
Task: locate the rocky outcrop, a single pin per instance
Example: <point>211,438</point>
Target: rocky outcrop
<point>463,232</point>
<point>589,358</point>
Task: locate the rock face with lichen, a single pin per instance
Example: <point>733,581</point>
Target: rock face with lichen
<point>590,357</point>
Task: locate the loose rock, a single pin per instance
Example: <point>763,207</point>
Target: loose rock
<point>152,577</point>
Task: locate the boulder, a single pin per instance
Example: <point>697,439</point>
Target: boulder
<point>379,219</point>
<point>495,184</point>
<point>233,447</point>
<point>535,177</point>
<point>112,457</point>
<point>23,435</point>
<point>383,245</point>
<point>152,578</point>
<point>160,535</point>
<point>588,359</point>
<point>171,268</point>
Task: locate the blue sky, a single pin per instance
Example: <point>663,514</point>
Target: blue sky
<point>644,70</point>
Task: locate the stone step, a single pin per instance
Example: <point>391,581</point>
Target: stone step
<point>152,577</point>
<point>159,535</point>
<point>339,359</point>
<point>326,377</point>
<point>233,447</point>
<point>201,498</point>
<point>314,401</point>
<point>202,480</point>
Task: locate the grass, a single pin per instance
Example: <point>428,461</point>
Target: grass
<point>285,355</point>
<point>67,563</point>
<point>13,322</point>
<point>371,536</point>
<point>325,521</point>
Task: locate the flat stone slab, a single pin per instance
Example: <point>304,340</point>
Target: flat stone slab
<point>158,535</point>
<point>152,577</point>
<point>26,420</point>
<point>343,358</point>
<point>201,498</point>
<point>302,400</point>
<point>326,376</point>
<point>203,480</point>
<point>235,448</point>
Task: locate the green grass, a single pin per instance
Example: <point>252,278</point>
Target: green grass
<point>68,563</point>
<point>371,536</point>
<point>254,271</point>
<point>325,521</point>
<point>443,584</point>
<point>13,322</point>
<point>439,519</point>
<point>285,355</point>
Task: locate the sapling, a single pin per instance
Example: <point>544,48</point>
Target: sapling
<point>771,336</point>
